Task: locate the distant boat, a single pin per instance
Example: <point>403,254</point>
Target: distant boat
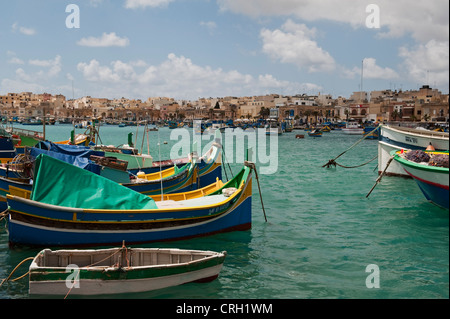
<point>32,122</point>
<point>371,133</point>
<point>274,128</point>
<point>396,137</point>
<point>432,180</point>
<point>315,133</point>
<point>353,128</point>
<point>120,270</point>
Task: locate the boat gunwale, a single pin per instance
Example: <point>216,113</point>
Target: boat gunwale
<point>207,256</point>
<point>416,132</point>
<point>420,166</point>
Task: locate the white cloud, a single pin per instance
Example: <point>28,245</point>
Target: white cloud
<point>427,61</point>
<point>209,25</point>
<point>422,19</point>
<point>106,40</point>
<point>95,3</point>
<point>294,44</point>
<point>179,77</point>
<point>13,58</point>
<point>371,71</point>
<point>134,4</point>
<point>23,30</point>
<point>39,80</point>
<point>53,65</point>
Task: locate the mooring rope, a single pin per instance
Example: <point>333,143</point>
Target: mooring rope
<point>332,162</point>
<point>14,270</point>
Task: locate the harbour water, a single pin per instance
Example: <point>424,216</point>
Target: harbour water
<point>321,231</point>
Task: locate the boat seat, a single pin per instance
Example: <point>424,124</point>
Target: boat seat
<point>202,201</point>
<point>169,204</point>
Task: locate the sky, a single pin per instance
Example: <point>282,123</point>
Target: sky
<point>191,49</point>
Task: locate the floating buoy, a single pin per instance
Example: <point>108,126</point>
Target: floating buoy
<point>430,148</point>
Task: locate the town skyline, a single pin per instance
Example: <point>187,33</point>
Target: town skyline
<point>203,48</point>
<point>423,105</point>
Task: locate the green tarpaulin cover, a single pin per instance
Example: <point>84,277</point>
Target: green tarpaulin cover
<point>59,183</point>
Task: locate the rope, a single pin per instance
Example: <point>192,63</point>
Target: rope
<point>253,167</point>
<point>381,175</point>
<point>4,214</point>
<point>20,264</point>
<point>333,161</point>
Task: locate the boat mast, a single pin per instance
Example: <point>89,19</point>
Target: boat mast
<point>362,76</point>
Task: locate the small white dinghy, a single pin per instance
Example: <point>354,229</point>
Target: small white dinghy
<point>120,270</point>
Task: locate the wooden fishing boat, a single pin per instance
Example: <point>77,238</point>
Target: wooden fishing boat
<point>120,270</point>
<point>371,132</point>
<point>7,149</point>
<point>393,138</point>
<point>315,133</point>
<point>326,129</point>
<point>22,185</point>
<point>432,180</point>
<point>353,128</point>
<point>97,211</point>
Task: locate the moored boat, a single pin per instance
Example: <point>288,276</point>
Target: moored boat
<point>353,128</point>
<point>120,270</point>
<point>430,171</point>
<point>81,215</point>
<point>395,137</point>
<point>315,133</point>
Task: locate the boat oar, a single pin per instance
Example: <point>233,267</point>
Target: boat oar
<point>381,176</point>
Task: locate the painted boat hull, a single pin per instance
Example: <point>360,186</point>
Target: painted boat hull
<point>395,138</point>
<point>96,281</point>
<point>353,131</point>
<point>432,181</point>
<point>34,224</point>
<point>5,188</point>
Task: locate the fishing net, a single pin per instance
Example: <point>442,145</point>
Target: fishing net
<point>417,156</point>
<point>439,160</point>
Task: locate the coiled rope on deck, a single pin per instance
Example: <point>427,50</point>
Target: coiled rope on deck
<point>333,162</point>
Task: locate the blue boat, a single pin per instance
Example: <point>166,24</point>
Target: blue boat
<point>315,133</point>
<point>82,216</point>
<point>433,180</point>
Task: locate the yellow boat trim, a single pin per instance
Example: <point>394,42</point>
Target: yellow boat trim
<point>192,194</point>
<point>159,175</point>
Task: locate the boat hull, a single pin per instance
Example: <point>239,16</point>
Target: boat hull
<point>32,234</point>
<point>395,138</point>
<point>353,131</point>
<point>92,280</point>
<point>432,181</point>
<point>36,225</point>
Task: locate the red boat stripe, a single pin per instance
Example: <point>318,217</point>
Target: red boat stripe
<point>428,182</point>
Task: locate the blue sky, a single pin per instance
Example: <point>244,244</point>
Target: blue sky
<point>188,49</point>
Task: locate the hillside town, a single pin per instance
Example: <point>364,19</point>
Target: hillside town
<point>423,105</point>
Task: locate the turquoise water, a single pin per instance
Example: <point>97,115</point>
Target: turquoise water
<point>322,232</point>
